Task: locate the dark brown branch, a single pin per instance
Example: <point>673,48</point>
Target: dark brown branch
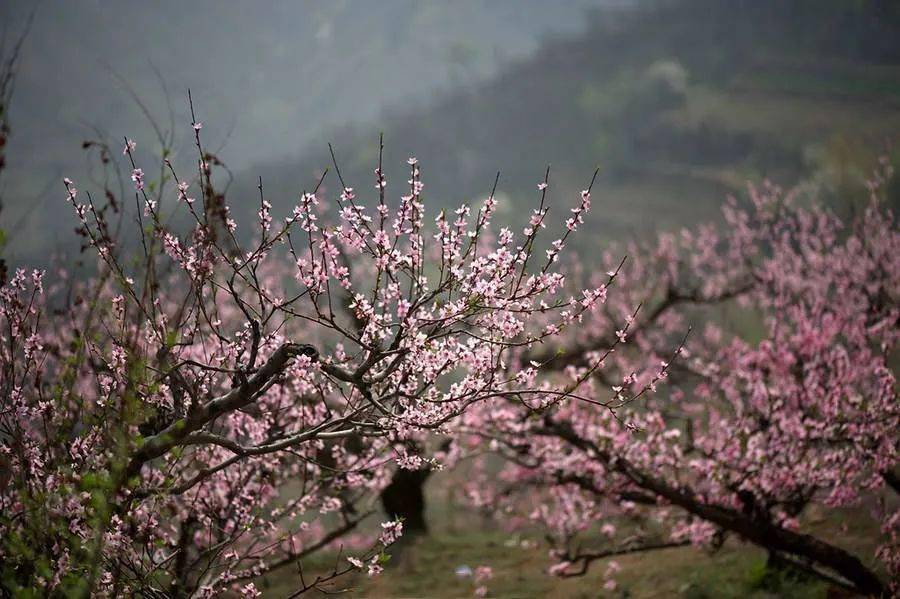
<point>587,558</point>
<point>240,396</point>
<point>755,530</point>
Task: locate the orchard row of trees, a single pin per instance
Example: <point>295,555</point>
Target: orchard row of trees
<point>204,410</point>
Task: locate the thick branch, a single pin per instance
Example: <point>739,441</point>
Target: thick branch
<point>757,531</point>
<point>240,396</point>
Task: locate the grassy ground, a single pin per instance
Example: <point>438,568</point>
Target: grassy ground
<point>426,566</point>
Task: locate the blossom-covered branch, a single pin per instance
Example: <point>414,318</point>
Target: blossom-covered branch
<point>745,435</point>
<point>227,403</point>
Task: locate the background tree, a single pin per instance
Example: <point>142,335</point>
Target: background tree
<point>751,431</point>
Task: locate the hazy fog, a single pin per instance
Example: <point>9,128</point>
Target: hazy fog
<point>679,101</point>
<point>267,77</point>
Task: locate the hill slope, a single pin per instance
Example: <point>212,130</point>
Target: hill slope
<point>679,102</point>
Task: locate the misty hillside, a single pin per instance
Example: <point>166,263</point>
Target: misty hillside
<point>679,106</point>
<point>267,83</point>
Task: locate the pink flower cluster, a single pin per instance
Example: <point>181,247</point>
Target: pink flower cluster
<point>747,434</point>
<point>208,410</point>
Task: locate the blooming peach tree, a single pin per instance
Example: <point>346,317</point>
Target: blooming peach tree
<point>191,418</point>
<point>745,434</point>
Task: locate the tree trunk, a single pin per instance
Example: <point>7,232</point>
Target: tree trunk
<point>404,498</point>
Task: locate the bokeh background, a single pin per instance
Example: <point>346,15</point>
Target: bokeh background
<point>680,102</point>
